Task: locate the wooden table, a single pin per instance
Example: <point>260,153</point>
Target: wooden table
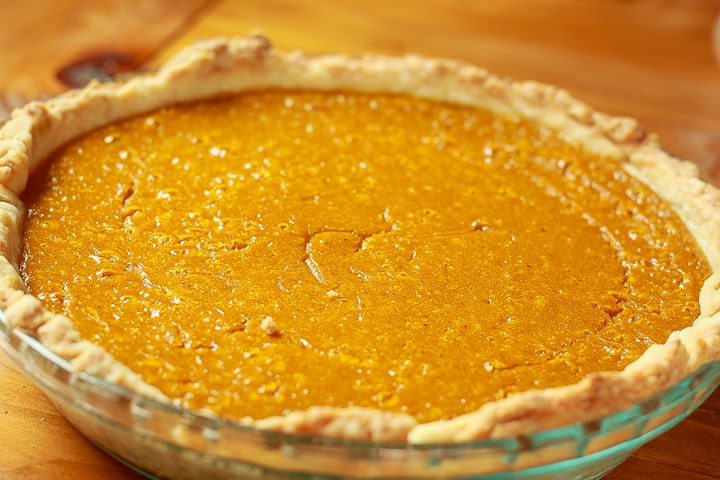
<point>651,59</point>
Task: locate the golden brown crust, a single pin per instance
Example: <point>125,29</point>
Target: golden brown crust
<point>220,66</point>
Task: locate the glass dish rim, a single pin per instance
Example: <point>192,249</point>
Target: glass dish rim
<point>578,432</point>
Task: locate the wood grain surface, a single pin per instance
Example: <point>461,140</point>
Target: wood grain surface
<point>650,59</point>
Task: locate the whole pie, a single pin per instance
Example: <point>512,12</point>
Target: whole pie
<point>364,247</point>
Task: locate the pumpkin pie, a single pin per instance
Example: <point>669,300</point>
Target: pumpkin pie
<point>364,247</point>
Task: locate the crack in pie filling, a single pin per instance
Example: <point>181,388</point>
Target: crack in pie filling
<point>363,247</point>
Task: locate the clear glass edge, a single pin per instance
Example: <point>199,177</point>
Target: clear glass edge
<point>63,381</point>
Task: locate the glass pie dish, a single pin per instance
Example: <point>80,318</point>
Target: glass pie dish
<point>162,441</point>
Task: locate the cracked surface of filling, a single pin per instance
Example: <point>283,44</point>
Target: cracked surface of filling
<point>277,250</point>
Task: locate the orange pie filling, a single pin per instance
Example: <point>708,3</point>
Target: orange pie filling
<point>275,250</point>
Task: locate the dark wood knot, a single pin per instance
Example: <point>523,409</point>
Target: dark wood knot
<point>102,67</point>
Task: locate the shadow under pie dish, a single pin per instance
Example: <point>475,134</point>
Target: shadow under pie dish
<point>394,257</point>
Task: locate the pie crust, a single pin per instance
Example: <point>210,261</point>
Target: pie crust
<point>232,65</point>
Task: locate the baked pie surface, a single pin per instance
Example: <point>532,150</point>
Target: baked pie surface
<point>361,216</point>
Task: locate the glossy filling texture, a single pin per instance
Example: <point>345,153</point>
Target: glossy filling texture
<point>276,250</point>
